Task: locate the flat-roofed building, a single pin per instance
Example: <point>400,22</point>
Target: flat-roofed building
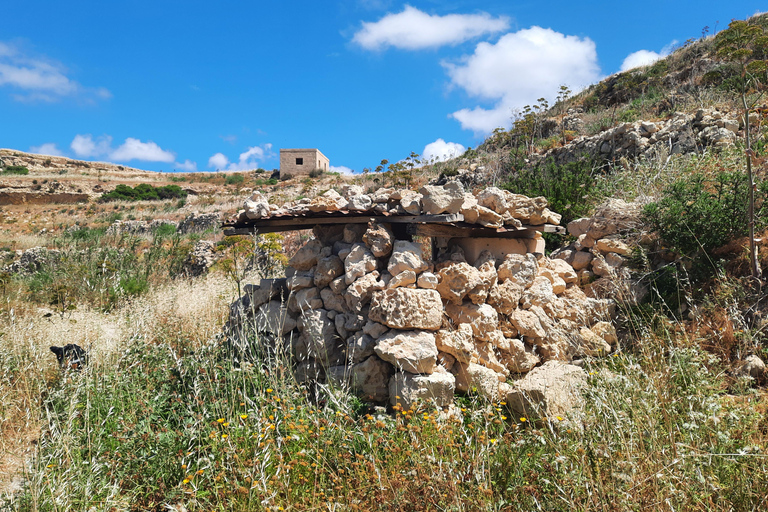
<point>300,162</point>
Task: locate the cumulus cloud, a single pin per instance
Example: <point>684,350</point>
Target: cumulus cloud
<point>247,160</point>
<point>413,29</point>
<point>49,148</point>
<point>645,57</point>
<point>341,169</point>
<point>517,70</point>
<point>85,146</point>
<point>186,165</point>
<point>41,79</point>
<point>134,149</point>
<point>439,151</point>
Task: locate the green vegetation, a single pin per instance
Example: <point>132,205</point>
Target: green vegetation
<point>234,179</point>
<point>16,169</point>
<point>143,192</point>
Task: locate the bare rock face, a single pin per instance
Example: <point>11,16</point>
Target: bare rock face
<point>406,256</point>
<point>520,268</point>
<point>306,257</point>
<point>446,199</point>
<point>407,308</point>
<point>358,262</point>
<point>379,239</point>
<point>456,280</point>
<point>406,389</point>
<point>410,351</point>
<point>550,391</point>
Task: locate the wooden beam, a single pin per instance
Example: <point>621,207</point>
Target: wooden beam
<point>453,231</point>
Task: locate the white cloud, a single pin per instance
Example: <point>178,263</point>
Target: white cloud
<point>413,29</point>
<point>439,151</point>
<point>517,70</point>
<point>247,160</point>
<point>186,165</point>
<point>645,57</point>
<point>49,148</point>
<point>134,149</point>
<point>85,146</point>
<point>218,161</point>
<point>639,58</point>
<point>41,79</point>
<point>341,169</point>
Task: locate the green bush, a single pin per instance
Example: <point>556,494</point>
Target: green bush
<point>234,179</point>
<point>16,169</point>
<point>315,173</point>
<point>143,192</point>
<point>696,214</point>
<point>571,189</point>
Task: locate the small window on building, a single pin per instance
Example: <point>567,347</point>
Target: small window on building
<point>299,161</point>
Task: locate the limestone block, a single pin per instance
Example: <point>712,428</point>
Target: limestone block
<point>458,343</point>
<point>306,257</point>
<point>606,331</point>
<point>478,379</point>
<point>520,268</point>
<point>446,199</point>
<point>402,279</point>
<point>406,256</point>
<point>504,297</point>
<point>456,280</point>
<point>370,379</point>
<point>494,199</point>
<point>274,317</point>
<point>353,233</point>
<point>609,245</point>
<point>579,227</point>
<point>488,279</point>
<point>266,290</point>
<point>411,203</point>
<point>407,308</point>
<point>256,207</point>
<point>427,280</point>
<point>539,294</point>
<point>590,344</point>
<point>305,300</point>
<point>300,279</point>
<point>333,301</point>
<point>358,262</point>
<point>481,317</point>
<point>374,329</point>
<point>527,324</point>
<point>752,366</point>
<point>359,293</point>
<point>550,391</point>
<point>408,390</point>
<point>359,203</point>
<point>518,358</point>
<point>327,270</point>
<point>410,351</point>
<point>360,346</point>
<point>330,201</point>
<point>562,269</point>
<point>379,239</point>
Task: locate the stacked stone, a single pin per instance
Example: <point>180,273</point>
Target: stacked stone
<point>371,312</point>
<point>493,208</point>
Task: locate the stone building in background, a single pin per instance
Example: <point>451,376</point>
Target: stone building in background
<point>300,162</point>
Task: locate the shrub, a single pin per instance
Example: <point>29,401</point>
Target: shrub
<point>234,179</point>
<point>571,189</point>
<point>16,169</point>
<point>697,214</point>
<point>143,192</point>
<point>315,173</point>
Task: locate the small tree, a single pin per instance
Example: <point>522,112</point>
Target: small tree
<point>745,44</point>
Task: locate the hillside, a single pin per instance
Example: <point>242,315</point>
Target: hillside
<point>399,355</point>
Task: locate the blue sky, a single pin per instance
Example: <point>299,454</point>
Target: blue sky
<point>189,85</point>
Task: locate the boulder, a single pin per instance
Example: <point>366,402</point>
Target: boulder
<point>407,308</point>
<point>609,245</point>
<point>273,317</point>
<point>360,346</point>
<point>330,201</point>
<point>256,206</point>
<point>359,293</point>
<point>402,279</point>
<point>527,324</point>
<point>411,203</point>
<point>520,268</point>
<point>427,280</point>
<point>410,351</point>
<point>478,379</point>
<point>327,270</point>
<point>752,366</point>
<point>458,343</point>
<point>504,297</point>
<point>370,379</point>
<point>359,203</point>
<point>481,317</point>
<point>517,357</point>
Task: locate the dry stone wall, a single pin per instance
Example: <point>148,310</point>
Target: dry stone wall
<point>361,308</point>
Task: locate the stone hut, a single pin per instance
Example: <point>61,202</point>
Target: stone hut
<point>409,297</point>
<point>300,162</point>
